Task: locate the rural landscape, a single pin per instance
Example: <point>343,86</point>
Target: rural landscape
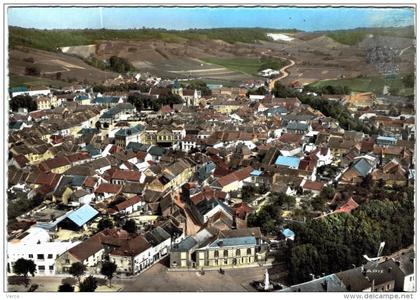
<point>215,159</point>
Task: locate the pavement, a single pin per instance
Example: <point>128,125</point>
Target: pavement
<point>158,279</point>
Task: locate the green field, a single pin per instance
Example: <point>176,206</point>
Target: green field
<point>17,80</point>
<point>369,84</point>
<point>246,65</point>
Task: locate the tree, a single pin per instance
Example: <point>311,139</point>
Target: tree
<point>98,125</point>
<point>66,287</point>
<point>318,203</point>
<point>32,71</point>
<point>408,80</point>
<point>119,64</point>
<point>105,223</point>
<point>130,226</point>
<point>23,267</point>
<point>108,269</point>
<point>77,270</point>
<point>23,101</point>
<point>88,285</point>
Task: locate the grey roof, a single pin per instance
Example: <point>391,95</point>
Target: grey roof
<point>185,245</point>
<point>297,126</point>
<point>234,241</point>
<point>330,283</point>
<point>137,146</point>
<point>123,132</point>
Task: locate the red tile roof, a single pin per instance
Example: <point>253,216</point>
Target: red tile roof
<point>109,188</point>
<point>348,206</point>
<point>127,203</point>
<point>126,175</point>
<point>313,185</point>
<point>90,181</point>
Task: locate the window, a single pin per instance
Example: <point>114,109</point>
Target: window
<point>41,268</point>
<point>248,251</point>
<point>225,253</point>
<point>216,253</point>
<point>40,256</point>
<point>238,252</point>
<point>67,261</point>
<point>216,262</point>
<point>32,256</point>
<point>51,268</point>
<point>50,256</point>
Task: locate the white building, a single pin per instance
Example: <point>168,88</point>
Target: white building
<point>36,246</point>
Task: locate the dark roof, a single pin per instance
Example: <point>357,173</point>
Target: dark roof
<point>157,236</point>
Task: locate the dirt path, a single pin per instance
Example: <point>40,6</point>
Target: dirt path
<point>283,72</point>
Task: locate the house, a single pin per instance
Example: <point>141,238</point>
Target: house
<point>125,176</point>
<point>360,168</point>
<point>227,249</point>
<point>160,241</point>
<point>42,252</point>
<point>346,207</point>
<point>269,72</point>
<point>406,279</point>
<point>133,256</point>
<point>77,219</point>
<point>127,206</point>
<point>298,128</point>
<point>385,141</point>
<point>392,173</point>
<point>81,197</point>
<point>91,251</point>
<point>234,181</point>
<point>372,277</point>
<point>329,283</point>
<point>124,136</point>
<point>173,176</point>
<point>314,187</point>
<point>107,190</point>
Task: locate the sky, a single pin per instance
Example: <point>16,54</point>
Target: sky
<point>302,18</point>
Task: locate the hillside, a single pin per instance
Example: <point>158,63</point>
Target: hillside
<point>228,56</point>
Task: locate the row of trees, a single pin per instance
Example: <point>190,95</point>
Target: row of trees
<point>142,102</point>
<point>24,267</point>
<point>328,89</point>
<point>123,87</point>
<point>338,241</point>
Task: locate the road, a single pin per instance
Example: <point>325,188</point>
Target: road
<point>283,75</point>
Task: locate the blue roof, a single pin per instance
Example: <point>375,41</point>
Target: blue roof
<point>234,241</point>
<point>387,138</point>
<point>256,173</point>
<point>106,100</point>
<point>18,89</point>
<point>83,215</point>
<point>362,167</point>
<point>288,233</point>
<point>288,161</point>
